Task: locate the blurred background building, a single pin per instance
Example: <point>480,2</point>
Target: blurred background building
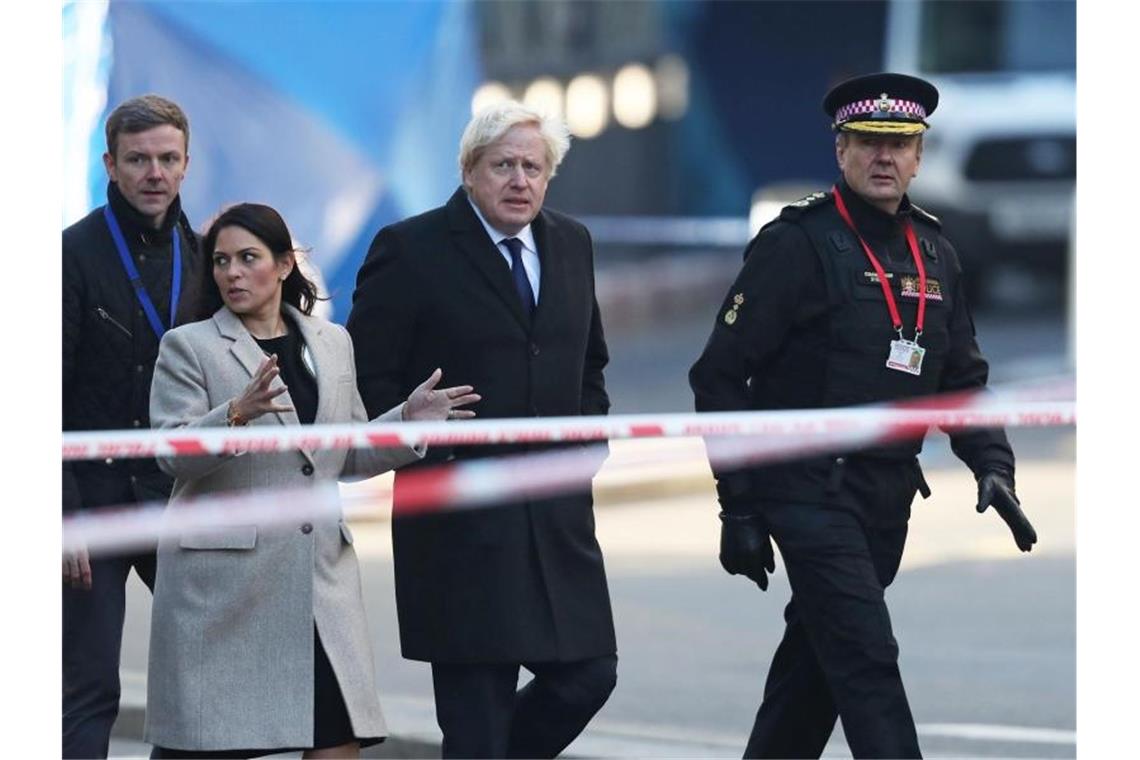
<point>693,122</point>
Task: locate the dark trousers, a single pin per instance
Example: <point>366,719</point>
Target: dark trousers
<point>92,642</point>
<point>838,656</point>
<point>482,713</point>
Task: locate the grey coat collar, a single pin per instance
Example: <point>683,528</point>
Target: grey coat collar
<point>321,360</point>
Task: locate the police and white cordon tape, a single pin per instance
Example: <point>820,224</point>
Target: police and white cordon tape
<point>733,438</point>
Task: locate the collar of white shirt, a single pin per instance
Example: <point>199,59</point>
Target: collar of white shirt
<point>526,235</point>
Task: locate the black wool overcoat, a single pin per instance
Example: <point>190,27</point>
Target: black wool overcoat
<point>519,582</point>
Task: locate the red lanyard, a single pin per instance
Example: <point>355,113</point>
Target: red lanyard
<point>896,320</point>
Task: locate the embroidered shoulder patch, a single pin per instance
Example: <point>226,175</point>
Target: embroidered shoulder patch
<point>908,287</point>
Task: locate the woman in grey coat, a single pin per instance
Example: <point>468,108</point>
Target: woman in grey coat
<point>259,641</point>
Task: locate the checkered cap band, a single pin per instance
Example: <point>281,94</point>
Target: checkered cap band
<point>896,108</point>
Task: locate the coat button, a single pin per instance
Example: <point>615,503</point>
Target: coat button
<point>840,461</point>
<point>136,423</point>
<point>307,469</point>
<point>534,349</point>
<point>307,528</point>
<point>108,460</point>
<point>139,368</point>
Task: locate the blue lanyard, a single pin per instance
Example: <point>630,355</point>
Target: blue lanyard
<point>136,280</point>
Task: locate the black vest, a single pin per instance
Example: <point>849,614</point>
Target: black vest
<point>859,330</point>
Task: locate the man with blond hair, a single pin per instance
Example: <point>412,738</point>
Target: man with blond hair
<point>498,292</point>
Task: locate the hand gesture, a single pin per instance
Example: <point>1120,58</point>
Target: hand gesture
<point>997,490</point>
<point>427,403</point>
<point>745,548</point>
<point>257,398</point>
<point>77,569</point>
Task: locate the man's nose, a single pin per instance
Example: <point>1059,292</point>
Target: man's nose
<point>154,170</point>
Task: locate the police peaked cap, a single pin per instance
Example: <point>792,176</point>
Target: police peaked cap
<point>894,104</point>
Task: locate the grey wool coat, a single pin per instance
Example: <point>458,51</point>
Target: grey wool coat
<point>231,646</point>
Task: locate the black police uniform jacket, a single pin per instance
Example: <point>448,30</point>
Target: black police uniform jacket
<point>512,582</point>
<point>806,325</point>
<point>109,347</point>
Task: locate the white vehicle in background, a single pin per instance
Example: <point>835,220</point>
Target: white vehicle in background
<point>999,165</point>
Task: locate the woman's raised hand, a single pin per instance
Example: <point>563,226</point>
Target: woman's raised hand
<point>257,398</point>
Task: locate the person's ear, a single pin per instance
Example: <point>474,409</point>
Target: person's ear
<point>285,266</point>
<point>109,165</point>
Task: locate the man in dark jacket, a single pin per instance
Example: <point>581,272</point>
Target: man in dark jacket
<point>499,293</point>
<point>850,297</point>
<point>124,267</point>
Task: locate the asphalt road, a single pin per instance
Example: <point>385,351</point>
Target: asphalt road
<point>987,635</point>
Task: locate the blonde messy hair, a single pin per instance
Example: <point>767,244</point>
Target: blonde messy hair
<point>497,119</point>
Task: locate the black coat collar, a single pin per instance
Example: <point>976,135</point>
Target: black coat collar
<point>135,226</point>
<point>870,220</point>
<point>471,237</point>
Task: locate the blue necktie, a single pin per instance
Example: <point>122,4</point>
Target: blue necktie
<point>518,274</point>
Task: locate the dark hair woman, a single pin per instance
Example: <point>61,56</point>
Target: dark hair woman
<point>265,224</point>
<point>259,642</point>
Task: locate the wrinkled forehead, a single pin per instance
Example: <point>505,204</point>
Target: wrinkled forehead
<point>520,141</point>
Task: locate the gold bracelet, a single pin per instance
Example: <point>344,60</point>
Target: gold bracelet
<point>233,419</point>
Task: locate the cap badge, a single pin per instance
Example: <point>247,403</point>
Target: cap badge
<point>884,103</point>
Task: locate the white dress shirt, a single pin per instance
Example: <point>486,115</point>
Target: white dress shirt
<point>529,250</point>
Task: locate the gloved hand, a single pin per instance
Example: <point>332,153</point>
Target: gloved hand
<point>745,547</point>
<point>996,489</point>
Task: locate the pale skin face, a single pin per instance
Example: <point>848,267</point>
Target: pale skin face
<point>879,167</point>
<point>508,181</point>
<point>249,278</point>
<point>148,168</point>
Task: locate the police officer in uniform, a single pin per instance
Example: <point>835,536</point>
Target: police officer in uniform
<point>852,296</point>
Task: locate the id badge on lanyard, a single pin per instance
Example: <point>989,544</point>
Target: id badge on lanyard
<point>905,355</point>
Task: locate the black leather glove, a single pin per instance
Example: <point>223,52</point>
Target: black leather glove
<point>996,489</point>
<point>745,548</point>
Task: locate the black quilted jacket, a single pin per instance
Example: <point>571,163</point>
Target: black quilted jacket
<point>109,347</point>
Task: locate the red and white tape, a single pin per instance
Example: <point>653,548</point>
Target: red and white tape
<point>1026,405</point>
<point>734,440</point>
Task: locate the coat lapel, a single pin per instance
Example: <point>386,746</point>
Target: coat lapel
<point>324,366</point>
<point>250,356</point>
<point>471,238</point>
<point>552,277</point>
<point>324,354</point>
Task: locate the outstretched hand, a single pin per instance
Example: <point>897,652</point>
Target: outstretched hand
<point>996,490</point>
<point>257,398</point>
<point>427,402</point>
